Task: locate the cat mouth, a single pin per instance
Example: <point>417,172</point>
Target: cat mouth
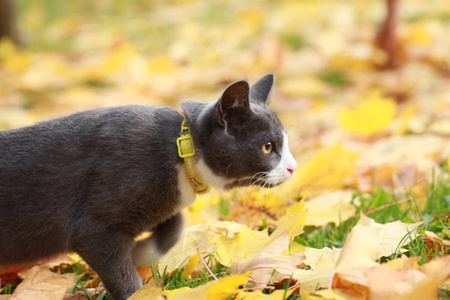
<point>261,181</point>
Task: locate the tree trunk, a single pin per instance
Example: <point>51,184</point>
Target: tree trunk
<point>386,38</point>
<point>8,26</point>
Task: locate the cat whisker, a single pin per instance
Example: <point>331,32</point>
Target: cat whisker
<point>226,172</point>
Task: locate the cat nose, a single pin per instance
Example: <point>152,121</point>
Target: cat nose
<point>292,170</point>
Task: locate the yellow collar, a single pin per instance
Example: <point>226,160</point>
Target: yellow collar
<point>186,151</point>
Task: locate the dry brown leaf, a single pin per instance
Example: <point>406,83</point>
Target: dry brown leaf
<point>41,283</point>
<point>405,281</point>
<point>322,263</point>
<point>269,265</point>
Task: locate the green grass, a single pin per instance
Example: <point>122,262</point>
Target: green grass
<point>435,216</point>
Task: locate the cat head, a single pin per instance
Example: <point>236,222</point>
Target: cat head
<point>239,140</point>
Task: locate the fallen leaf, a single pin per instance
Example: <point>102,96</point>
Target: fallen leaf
<point>369,240</point>
<point>199,238</point>
<point>269,265</point>
<point>244,244</point>
<point>215,290</point>
<point>292,223</point>
<point>329,207</point>
<point>398,280</point>
<point>322,264</point>
<point>148,291</point>
<point>370,116</point>
<point>41,283</point>
<point>258,295</point>
<point>326,172</point>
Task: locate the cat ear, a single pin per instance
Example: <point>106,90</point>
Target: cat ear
<point>261,90</point>
<point>235,99</point>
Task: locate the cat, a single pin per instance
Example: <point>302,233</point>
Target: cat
<point>91,182</point>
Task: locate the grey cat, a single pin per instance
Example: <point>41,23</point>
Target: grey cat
<point>92,181</point>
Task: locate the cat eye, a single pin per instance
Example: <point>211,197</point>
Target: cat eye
<point>267,148</point>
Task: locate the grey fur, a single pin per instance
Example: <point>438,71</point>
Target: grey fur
<point>92,181</point>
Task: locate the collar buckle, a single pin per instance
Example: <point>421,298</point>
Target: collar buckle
<point>185,146</point>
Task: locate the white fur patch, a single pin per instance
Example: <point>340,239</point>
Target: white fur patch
<point>187,193</point>
<point>281,172</point>
<point>209,177</point>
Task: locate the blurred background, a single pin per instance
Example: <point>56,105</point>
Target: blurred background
<point>363,86</point>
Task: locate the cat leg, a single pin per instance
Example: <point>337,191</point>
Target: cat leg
<point>164,237</point>
<point>110,257</point>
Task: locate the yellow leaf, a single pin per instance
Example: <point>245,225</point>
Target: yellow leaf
<point>245,244</point>
<point>331,295</point>
<point>252,17</point>
<point>199,238</point>
<point>169,294</point>
<point>162,63</point>
<point>293,222</point>
<point>258,295</point>
<point>369,117</point>
<point>269,265</point>
<point>322,263</point>
<point>215,290</point>
<point>331,169</point>
<point>329,207</point>
<point>404,281</point>
<point>148,291</point>
<point>191,264</point>
<point>13,60</point>
<point>41,283</point>
<point>227,286</point>
<point>419,35</point>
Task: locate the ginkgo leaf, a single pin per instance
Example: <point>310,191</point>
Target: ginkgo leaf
<point>41,283</point>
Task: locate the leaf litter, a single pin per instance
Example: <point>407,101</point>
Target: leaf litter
<point>353,127</point>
